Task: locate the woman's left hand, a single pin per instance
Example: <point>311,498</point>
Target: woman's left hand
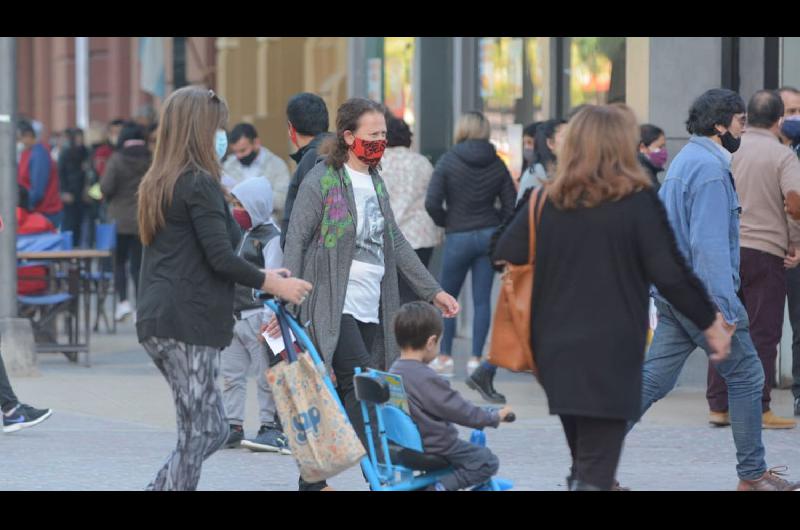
<point>447,304</point>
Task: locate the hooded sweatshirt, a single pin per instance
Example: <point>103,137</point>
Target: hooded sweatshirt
<point>256,197</point>
<point>464,188</point>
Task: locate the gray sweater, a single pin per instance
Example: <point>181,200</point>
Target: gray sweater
<point>434,405</point>
<point>320,244</point>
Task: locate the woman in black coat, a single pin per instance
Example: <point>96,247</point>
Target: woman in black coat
<point>599,246</point>
<point>467,183</point>
<point>189,271</point>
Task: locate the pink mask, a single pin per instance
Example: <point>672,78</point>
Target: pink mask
<point>658,158</point>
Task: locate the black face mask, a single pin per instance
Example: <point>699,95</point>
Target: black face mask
<point>729,142</point>
<point>247,160</point>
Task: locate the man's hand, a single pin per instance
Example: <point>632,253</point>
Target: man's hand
<point>792,258</point>
<point>718,336</point>
<point>67,198</point>
<point>447,304</point>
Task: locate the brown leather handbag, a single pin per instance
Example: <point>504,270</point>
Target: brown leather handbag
<point>510,346</point>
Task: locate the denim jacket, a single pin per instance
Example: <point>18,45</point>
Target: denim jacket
<point>703,209</point>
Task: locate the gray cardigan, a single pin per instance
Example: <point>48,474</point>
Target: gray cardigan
<point>320,245</point>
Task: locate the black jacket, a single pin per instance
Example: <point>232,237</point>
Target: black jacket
<point>72,170</point>
<point>306,158</point>
<point>468,179</point>
<point>589,312</point>
<point>188,272</point>
<point>651,170</point>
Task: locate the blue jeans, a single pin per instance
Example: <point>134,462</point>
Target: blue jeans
<point>674,340</point>
<point>465,251</point>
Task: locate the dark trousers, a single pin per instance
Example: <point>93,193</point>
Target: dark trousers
<point>129,249</point>
<point>595,445</point>
<point>793,294</point>
<point>8,400</point>
<point>764,292</point>
<point>407,294</point>
<point>353,350</point>
<point>73,221</point>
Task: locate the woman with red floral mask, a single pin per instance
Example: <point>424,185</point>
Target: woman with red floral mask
<point>342,235</point>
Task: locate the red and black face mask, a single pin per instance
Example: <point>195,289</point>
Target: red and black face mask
<point>243,218</point>
<point>369,151</point>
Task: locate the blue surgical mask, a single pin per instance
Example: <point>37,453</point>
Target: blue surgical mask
<point>791,129</point>
<point>221,143</point>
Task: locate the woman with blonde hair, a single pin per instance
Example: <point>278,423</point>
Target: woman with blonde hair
<point>188,272</point>
<point>602,239</point>
<point>466,184</point>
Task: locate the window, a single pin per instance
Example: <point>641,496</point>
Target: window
<point>596,71</point>
<point>511,73</point>
<point>398,67</point>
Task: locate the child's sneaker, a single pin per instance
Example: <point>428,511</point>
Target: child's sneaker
<point>269,439</point>
<point>24,416</point>
<point>445,369</point>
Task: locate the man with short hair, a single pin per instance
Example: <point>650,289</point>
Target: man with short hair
<point>308,126</point>
<point>765,171</point>
<point>38,174</point>
<point>790,136</point>
<point>700,199</point>
<point>250,160</point>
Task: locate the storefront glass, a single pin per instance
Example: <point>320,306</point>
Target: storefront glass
<point>511,73</point>
<point>597,70</point>
<point>398,67</point>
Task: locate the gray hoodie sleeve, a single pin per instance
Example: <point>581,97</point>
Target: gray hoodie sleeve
<point>304,222</point>
<point>444,402</point>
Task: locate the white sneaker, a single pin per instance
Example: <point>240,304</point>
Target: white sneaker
<point>123,310</point>
<point>445,369</point>
<point>473,365</point>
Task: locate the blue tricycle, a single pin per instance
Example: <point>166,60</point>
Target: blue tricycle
<point>403,465</point>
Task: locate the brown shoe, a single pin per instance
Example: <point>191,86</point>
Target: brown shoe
<point>720,419</point>
<point>770,481</point>
<point>769,420</point>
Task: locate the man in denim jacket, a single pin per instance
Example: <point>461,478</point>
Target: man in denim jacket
<point>703,209</point>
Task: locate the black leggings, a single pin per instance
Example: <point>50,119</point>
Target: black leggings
<point>596,446</point>
<point>407,294</point>
<point>128,248</point>
<point>7,398</point>
<point>353,349</point>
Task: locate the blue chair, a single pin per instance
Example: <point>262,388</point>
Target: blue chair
<point>42,309</point>
<point>103,280</point>
<point>402,464</point>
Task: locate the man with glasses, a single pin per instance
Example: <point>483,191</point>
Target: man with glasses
<point>765,172</point>
<point>700,199</point>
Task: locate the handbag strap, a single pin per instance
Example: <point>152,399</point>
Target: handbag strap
<point>285,333</point>
<point>534,217</point>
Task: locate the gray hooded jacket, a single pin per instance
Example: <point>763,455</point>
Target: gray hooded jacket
<point>320,244</point>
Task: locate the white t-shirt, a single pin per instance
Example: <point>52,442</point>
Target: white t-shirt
<point>363,297</point>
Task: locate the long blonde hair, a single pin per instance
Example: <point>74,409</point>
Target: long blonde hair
<point>184,142</point>
<point>598,159</point>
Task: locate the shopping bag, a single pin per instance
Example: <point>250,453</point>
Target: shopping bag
<point>510,346</point>
<point>320,435</point>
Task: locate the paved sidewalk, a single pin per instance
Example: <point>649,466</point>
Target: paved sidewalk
<point>113,427</point>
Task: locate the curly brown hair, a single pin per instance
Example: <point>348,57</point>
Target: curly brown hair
<point>347,118</point>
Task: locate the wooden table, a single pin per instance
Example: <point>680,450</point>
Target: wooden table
<point>79,260</point>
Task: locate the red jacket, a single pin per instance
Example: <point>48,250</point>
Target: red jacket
<point>32,223</point>
<point>51,203</point>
